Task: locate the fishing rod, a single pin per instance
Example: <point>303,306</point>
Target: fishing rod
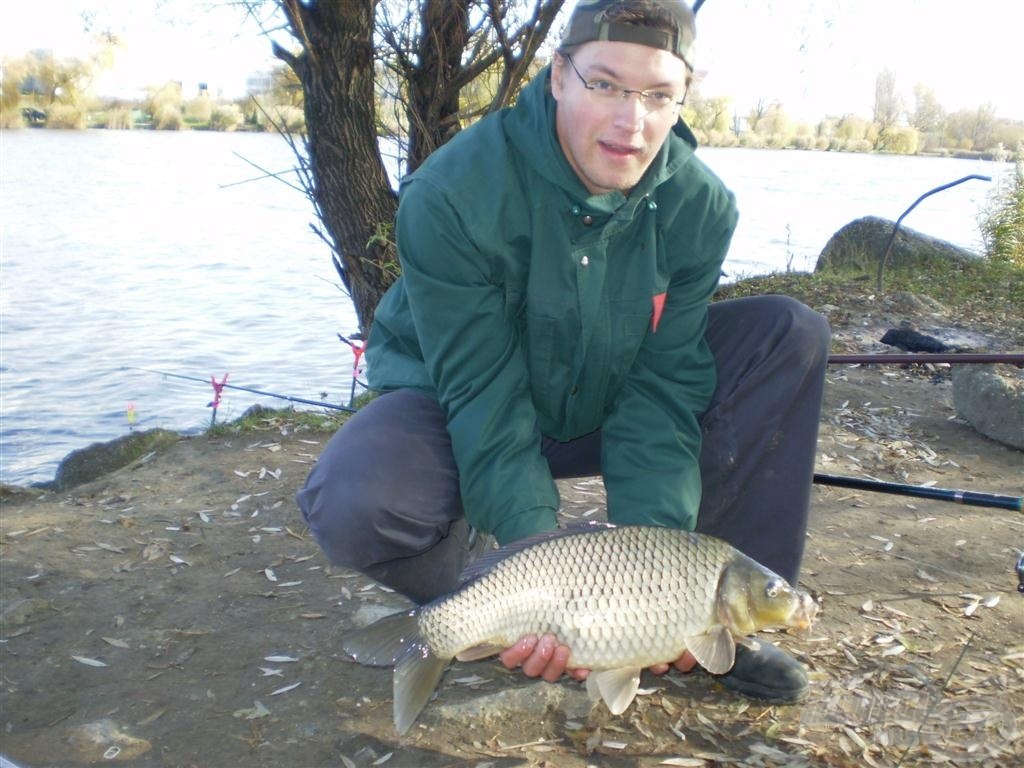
<point>968,498</point>
<point>225,385</point>
<point>1011,358</point>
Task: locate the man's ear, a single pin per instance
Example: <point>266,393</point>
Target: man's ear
<point>557,75</point>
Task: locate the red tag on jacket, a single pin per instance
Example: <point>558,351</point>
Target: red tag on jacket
<point>659,304</point>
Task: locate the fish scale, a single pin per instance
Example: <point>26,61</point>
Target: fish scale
<point>603,595</point>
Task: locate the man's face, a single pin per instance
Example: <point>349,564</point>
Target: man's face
<point>611,142</point>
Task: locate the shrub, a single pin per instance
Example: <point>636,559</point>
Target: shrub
<point>168,117</point>
<point>1002,221</point>
<point>65,116</point>
<point>200,109</point>
<point>225,117</point>
<point>119,119</point>
<point>288,119</point>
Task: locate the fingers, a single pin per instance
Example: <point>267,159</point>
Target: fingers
<point>540,657</point>
<point>515,656</point>
<point>685,663</point>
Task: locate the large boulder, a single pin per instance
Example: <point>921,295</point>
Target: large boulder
<point>991,399</point>
<point>87,464</point>
<point>861,243</point>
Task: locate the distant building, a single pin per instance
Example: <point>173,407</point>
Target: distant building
<point>261,82</point>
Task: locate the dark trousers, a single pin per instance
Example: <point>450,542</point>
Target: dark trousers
<point>383,498</point>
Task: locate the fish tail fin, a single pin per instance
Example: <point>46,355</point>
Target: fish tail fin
<point>417,674</point>
<point>395,641</point>
<point>384,642</point>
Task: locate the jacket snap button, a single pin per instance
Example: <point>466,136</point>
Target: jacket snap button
<point>584,261</point>
<point>575,210</point>
<point>588,220</point>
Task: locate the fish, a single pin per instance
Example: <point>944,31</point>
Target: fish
<point>622,598</point>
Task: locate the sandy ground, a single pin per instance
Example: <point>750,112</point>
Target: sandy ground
<point>177,613</point>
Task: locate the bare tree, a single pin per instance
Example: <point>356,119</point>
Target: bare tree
<point>888,105</point>
<point>352,54</point>
<point>928,113</point>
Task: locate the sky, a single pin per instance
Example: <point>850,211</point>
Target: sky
<point>817,57</point>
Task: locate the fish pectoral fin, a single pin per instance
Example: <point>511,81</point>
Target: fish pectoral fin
<point>417,674</point>
<point>616,686</point>
<point>715,650</point>
<point>481,651</point>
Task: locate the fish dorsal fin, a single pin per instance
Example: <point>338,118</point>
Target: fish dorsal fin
<point>714,650</point>
<point>616,686</point>
<point>489,559</point>
<point>478,652</point>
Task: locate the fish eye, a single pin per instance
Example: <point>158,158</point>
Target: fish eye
<point>773,587</point>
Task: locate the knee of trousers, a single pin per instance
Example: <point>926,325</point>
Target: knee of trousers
<point>379,493</point>
<point>359,524</point>
<point>804,334</point>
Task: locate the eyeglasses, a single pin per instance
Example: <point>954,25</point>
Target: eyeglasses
<point>606,91</point>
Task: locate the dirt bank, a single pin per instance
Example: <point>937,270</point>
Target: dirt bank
<point>177,613</point>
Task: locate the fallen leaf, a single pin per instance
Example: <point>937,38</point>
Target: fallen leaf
<point>89,662</point>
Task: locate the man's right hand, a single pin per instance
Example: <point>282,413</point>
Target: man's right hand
<point>543,657</point>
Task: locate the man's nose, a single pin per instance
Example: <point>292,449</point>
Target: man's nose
<point>630,112</point>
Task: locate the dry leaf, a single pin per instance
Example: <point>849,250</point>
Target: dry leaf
<point>89,662</point>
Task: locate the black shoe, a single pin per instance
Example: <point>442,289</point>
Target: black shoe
<point>766,673</point>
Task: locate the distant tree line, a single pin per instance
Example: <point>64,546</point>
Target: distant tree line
<point>895,126</point>
<point>41,90</point>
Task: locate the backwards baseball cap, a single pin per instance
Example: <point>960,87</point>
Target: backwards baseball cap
<point>614,20</point>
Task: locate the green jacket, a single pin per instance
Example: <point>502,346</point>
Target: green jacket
<point>529,308</point>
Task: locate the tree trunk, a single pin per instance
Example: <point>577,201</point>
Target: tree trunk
<point>350,184</point>
<point>433,88</point>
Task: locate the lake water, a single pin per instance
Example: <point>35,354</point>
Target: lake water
<point>127,250</point>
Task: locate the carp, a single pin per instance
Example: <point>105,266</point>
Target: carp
<point>621,598</point>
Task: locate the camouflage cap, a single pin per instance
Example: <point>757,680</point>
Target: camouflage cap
<point>602,20</point>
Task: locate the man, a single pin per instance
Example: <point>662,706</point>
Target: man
<point>552,321</point>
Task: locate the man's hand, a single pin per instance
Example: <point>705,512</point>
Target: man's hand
<point>543,657</point>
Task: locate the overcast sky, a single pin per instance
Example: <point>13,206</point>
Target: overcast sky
<point>817,57</point>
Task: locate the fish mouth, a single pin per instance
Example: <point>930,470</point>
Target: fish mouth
<point>804,613</point>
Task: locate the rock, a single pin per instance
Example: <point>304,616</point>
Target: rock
<point>531,702</point>
<point>26,610</point>
<point>861,243</point>
<point>104,741</point>
<point>991,399</point>
<point>100,459</point>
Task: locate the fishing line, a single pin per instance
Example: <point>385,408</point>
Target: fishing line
<point>224,385</point>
